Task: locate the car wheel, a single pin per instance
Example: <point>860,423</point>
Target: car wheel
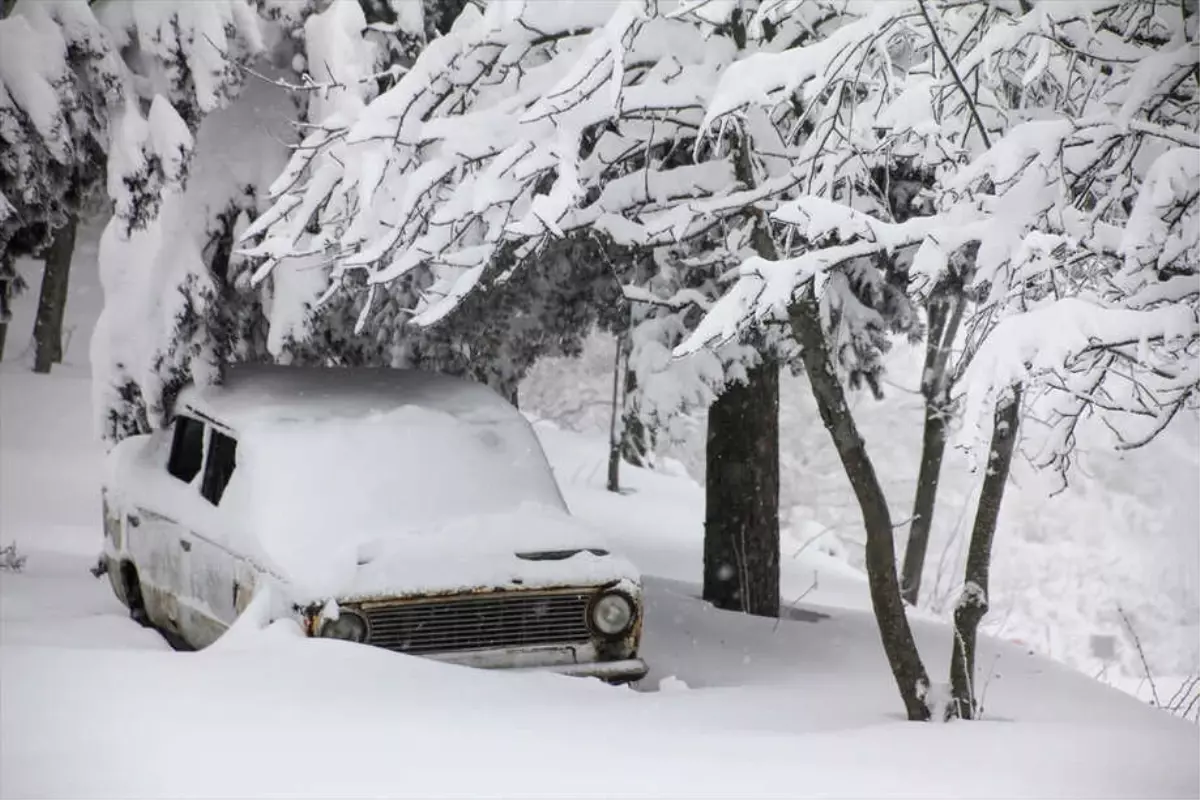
<point>137,608</point>
<point>133,595</point>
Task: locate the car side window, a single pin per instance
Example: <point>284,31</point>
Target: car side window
<point>218,469</point>
<point>187,449</point>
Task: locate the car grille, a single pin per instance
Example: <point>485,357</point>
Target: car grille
<point>480,622</point>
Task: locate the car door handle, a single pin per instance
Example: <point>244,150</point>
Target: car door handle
<point>186,545</point>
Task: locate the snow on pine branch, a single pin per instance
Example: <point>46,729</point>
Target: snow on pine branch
<point>195,49</point>
<point>521,125</point>
<point>182,68</point>
<point>59,77</point>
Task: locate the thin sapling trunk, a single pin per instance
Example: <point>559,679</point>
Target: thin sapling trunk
<point>973,604</point>
<point>945,316</point>
<point>898,643</point>
<point>615,433</point>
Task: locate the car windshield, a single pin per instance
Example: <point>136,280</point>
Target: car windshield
<point>404,472</point>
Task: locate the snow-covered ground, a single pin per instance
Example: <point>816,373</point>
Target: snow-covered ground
<point>91,705</point>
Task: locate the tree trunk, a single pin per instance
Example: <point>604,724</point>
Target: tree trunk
<point>741,518</point>
<point>47,328</point>
<point>945,315</point>
<point>973,604</point>
<point>637,441</point>
<point>10,286</point>
<point>615,434</point>
<point>933,448</point>
<point>7,276</point>
<point>741,476</point>
<point>898,643</point>
<point>61,301</point>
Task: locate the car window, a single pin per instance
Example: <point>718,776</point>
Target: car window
<point>187,449</point>
<point>222,458</point>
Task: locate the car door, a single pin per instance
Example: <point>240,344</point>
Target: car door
<point>158,541</point>
<point>217,587</point>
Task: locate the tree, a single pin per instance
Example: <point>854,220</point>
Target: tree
<point>179,304</point>
<point>972,606</point>
<point>59,82</point>
<point>1104,319</point>
<point>47,327</point>
<point>1031,214</point>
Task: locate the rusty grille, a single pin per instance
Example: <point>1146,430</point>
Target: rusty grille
<point>480,622</point>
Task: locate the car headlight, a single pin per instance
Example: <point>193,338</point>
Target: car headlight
<point>349,626</point>
<point>612,613</point>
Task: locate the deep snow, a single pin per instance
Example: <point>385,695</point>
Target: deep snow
<point>91,705</point>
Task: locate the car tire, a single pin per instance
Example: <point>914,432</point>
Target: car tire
<point>133,595</point>
<point>137,608</point>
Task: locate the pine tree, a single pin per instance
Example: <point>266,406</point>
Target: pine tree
<point>59,83</point>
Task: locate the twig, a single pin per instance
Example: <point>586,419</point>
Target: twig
<point>986,682</point>
<point>309,85</point>
<point>937,40</point>
<point>812,587</point>
<point>1137,643</point>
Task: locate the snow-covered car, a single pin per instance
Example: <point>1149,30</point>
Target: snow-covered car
<point>403,509</point>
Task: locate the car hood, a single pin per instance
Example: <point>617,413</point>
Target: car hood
<point>530,548</point>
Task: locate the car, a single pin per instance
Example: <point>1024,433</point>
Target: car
<point>397,508</point>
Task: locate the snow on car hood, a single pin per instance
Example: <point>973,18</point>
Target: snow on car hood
<point>529,548</point>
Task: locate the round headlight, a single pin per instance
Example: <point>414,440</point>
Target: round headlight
<point>349,626</point>
<point>612,614</point>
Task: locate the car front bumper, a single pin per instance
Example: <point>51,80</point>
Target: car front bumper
<point>579,660</point>
<point>627,670</point>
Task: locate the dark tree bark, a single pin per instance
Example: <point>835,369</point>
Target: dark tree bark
<point>615,434</point>
<point>973,604</point>
<point>629,440</point>
<point>741,520</point>
<point>933,448</point>
<point>7,279</point>
<point>440,16</point>
<point>47,328</point>
<point>637,441</point>
<point>898,643</point>
<point>945,315</point>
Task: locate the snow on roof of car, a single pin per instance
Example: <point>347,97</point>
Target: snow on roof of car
<point>254,394</point>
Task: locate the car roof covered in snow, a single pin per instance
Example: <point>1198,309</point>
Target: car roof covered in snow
<point>258,394</point>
